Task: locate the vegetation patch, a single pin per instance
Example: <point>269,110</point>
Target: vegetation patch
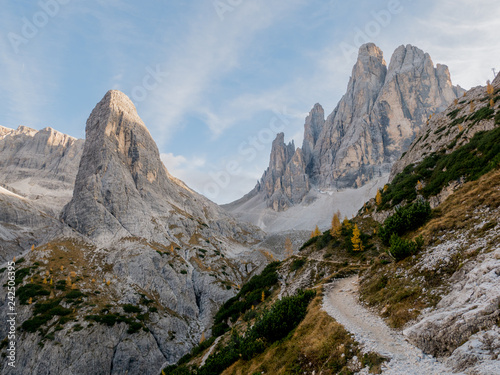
<point>405,219</point>
<point>249,295</point>
<point>273,325</point>
<point>471,161</point>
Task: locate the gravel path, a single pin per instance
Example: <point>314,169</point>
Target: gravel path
<point>341,303</point>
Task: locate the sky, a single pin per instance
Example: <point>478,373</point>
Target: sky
<point>215,81</point>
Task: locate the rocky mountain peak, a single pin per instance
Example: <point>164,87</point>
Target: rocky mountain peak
<point>374,122</point>
<point>313,127</point>
<point>123,189</point>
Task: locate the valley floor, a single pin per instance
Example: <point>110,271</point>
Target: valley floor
<point>341,303</point>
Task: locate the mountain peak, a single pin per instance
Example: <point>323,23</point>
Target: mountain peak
<point>370,49</point>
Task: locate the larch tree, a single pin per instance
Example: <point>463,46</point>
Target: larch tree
<point>346,223</point>
<point>489,88</point>
<point>336,226</point>
<point>356,239</point>
<point>316,232</point>
<point>378,198</point>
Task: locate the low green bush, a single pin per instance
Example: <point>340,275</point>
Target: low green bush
<point>30,290</point>
<point>296,264</point>
<point>405,219</point>
<point>128,308</point>
<point>401,248</point>
<point>275,324</point>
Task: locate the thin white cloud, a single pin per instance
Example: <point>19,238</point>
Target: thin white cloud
<point>212,49</point>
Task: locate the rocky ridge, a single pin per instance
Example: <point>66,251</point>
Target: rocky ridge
<point>40,165</point>
<point>374,122</point>
<point>133,235</point>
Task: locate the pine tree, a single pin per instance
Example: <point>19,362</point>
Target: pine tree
<point>355,239</point>
<point>263,298</point>
<point>378,198</point>
<point>386,187</point>
<point>62,268</point>
<point>288,247</point>
<point>419,185</point>
<point>455,101</point>
<point>336,226</point>
<point>32,247</point>
<point>492,103</point>
<point>30,301</point>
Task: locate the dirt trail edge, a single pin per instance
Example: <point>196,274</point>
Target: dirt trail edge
<point>341,303</point>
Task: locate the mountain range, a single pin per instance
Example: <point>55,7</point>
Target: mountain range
<point>122,268</point>
<point>382,111</point>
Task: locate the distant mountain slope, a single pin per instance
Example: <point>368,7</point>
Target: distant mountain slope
<point>374,122</point>
<point>40,165</point>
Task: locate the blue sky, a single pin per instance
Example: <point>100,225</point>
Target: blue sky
<point>215,80</point>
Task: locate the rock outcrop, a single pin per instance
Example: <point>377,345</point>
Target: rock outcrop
<point>123,189</point>
<point>453,127</point>
<point>285,182</point>
<point>374,122</point>
<point>140,237</point>
<point>40,165</point>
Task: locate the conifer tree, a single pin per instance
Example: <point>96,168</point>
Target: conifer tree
<point>316,232</point>
<point>378,198</point>
<point>346,223</point>
<point>202,337</point>
<point>489,88</point>
<point>355,239</point>
<point>336,226</point>
<point>263,298</point>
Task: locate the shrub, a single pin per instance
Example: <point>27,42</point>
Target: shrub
<point>128,308</point>
<point>273,325</point>
<point>296,264</point>
<point>30,290</point>
<point>74,294</point>
<point>285,315</point>
<point>404,220</point>
<point>250,294</point>
<point>401,248</point>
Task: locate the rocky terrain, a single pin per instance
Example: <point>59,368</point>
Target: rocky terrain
<point>375,121</point>
<point>40,165</point>
<point>132,235</point>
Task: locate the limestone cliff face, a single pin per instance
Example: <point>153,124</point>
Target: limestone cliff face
<point>285,182</point>
<point>452,128</point>
<point>123,189</point>
<point>373,124</point>
<point>40,165</point>
<point>132,233</point>
<point>380,114</point>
